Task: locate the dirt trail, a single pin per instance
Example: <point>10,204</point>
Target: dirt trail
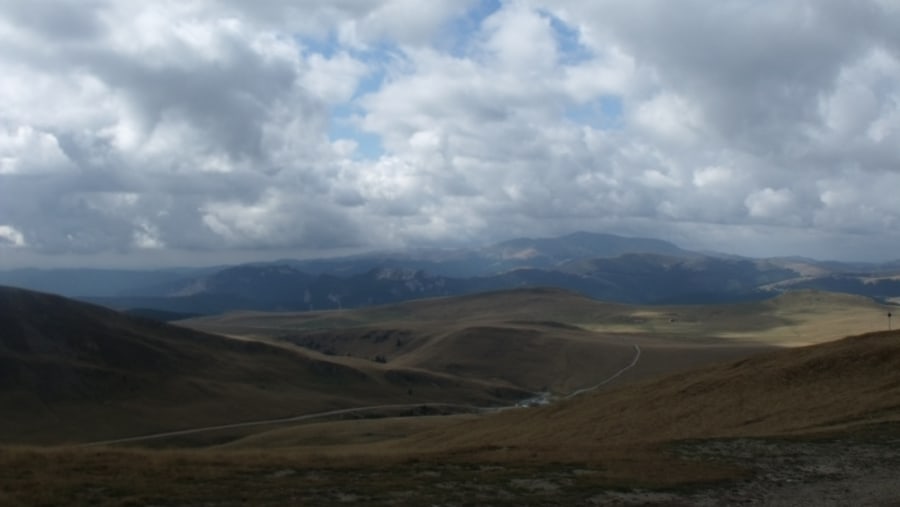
<point>283,420</point>
<point>349,411</point>
<point>607,380</point>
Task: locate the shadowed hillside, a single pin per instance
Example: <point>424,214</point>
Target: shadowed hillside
<point>72,371</point>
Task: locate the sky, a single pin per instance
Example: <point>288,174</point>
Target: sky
<point>199,132</point>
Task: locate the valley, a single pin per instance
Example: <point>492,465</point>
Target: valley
<point>426,400</point>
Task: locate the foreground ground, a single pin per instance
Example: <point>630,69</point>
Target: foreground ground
<point>828,470</point>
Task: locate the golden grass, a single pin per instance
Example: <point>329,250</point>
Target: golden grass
<point>836,386</point>
<point>546,339</point>
<point>619,434</point>
<point>345,433</point>
<point>105,478</point>
<point>463,350</point>
<point>794,318</point>
<point>613,438</point>
<point>855,381</point>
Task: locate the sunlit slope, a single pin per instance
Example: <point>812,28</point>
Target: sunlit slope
<point>548,339</point>
<point>793,317</point>
<point>840,385</point>
<point>790,319</point>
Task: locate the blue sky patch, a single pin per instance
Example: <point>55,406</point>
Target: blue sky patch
<point>463,30</point>
<point>568,40</point>
<point>344,126</point>
<point>604,113</point>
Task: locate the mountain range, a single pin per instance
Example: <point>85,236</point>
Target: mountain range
<point>601,266</point>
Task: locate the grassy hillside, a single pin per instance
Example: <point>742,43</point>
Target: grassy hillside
<point>838,386</point>
<point>799,317</point>
<point>551,339</point>
<point>602,447</point>
<point>73,372</point>
<point>611,447</point>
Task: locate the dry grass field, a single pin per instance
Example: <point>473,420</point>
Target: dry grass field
<point>546,339</point>
<point>793,318</point>
<point>721,406</point>
<point>773,429</point>
<point>854,382</point>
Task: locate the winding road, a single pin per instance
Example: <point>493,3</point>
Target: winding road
<point>305,417</point>
<point>607,380</point>
<point>347,411</point>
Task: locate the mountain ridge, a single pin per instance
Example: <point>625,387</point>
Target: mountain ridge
<point>602,266</point>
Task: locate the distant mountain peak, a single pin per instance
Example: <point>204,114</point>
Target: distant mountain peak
<point>398,273</point>
<point>579,245</point>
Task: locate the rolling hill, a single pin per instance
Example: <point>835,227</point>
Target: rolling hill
<point>708,385</point>
<point>70,371</point>
<point>555,340</point>
<point>836,387</point>
<point>73,371</point>
<point>559,341</point>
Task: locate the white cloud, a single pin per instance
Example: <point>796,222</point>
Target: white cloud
<point>11,236</point>
<point>613,72</point>
<point>669,118</point>
<point>521,40</point>
<point>333,80</point>
<point>655,178</point>
<point>713,176</point>
<point>202,126</point>
<point>28,151</point>
<point>408,22</point>
<point>770,203</point>
<point>858,202</point>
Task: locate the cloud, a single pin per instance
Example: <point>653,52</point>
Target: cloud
<point>9,236</point>
<point>521,40</point>
<point>770,203</point>
<point>217,127</point>
<point>333,80</point>
<point>27,151</point>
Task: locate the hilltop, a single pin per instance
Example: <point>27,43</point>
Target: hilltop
<point>551,339</point>
<point>535,339</point>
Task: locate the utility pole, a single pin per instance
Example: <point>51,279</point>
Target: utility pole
<point>889,320</point>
